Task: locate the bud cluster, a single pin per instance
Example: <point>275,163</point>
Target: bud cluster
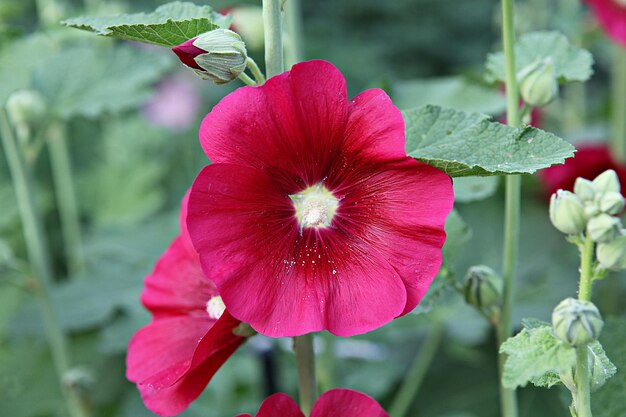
<point>592,210</point>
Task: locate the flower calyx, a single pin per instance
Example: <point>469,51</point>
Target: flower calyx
<point>576,322</point>
<point>567,212</point>
<point>538,83</point>
<point>483,290</point>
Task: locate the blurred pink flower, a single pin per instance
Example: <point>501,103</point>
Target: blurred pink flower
<point>173,358</point>
<point>175,103</point>
<point>334,403</point>
<point>589,161</point>
<point>611,15</point>
<point>311,216</point>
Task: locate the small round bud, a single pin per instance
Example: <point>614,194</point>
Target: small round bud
<point>612,255</point>
<point>584,189</point>
<point>218,55</point>
<point>603,228</point>
<point>483,288</point>
<point>611,202</point>
<point>26,109</point>
<point>567,212</point>
<point>607,181</point>
<point>539,85</point>
<point>576,322</point>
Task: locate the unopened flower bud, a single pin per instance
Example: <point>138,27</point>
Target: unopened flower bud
<point>612,255</point>
<point>607,181</point>
<point>483,288</point>
<point>603,228</point>
<point>567,212</point>
<point>539,85</point>
<point>584,189</point>
<point>576,322</point>
<point>611,202</point>
<point>26,109</point>
<point>218,55</point>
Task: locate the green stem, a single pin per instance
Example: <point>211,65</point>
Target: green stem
<point>293,20</point>
<point>326,364</point>
<point>586,270</point>
<point>247,80</point>
<point>305,361</point>
<point>508,398</point>
<point>36,245</point>
<point>618,80</point>
<point>414,377</point>
<point>583,395</point>
<point>66,197</point>
<point>256,71</point>
<point>272,27</point>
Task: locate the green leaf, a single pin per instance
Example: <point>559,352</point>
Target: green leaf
<point>609,400</point>
<point>466,144</point>
<point>570,62</point>
<point>533,355</point>
<point>98,80</point>
<point>169,25</point>
<point>456,92</point>
<point>458,233</point>
<point>468,189</point>
<point>603,368</point>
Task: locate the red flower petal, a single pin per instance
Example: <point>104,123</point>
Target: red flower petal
<point>172,360</point>
<point>279,405</point>
<point>612,18</point>
<point>347,403</point>
<point>187,51</point>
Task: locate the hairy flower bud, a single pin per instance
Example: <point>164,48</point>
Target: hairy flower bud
<point>483,288</point>
<point>612,255</point>
<point>218,55</point>
<point>603,228</point>
<point>567,212</point>
<point>611,202</point>
<point>26,109</point>
<point>576,322</point>
<point>607,181</point>
<point>539,85</point>
<point>584,189</point>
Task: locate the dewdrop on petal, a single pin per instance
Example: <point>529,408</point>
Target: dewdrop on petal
<point>567,212</point>
<point>539,85</point>
<point>603,228</point>
<point>218,55</point>
<point>612,255</point>
<point>576,322</point>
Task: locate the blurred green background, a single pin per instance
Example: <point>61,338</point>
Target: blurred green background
<point>130,114</point>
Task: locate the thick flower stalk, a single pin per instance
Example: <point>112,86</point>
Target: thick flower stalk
<point>334,403</point>
<point>311,216</point>
<point>191,335</point>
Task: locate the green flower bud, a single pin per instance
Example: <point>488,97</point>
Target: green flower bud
<point>607,181</point>
<point>26,109</point>
<point>612,255</point>
<point>591,210</point>
<point>567,212</point>
<point>584,189</point>
<point>576,322</point>
<point>611,202</point>
<point>604,228</point>
<point>483,289</point>
<point>539,85</point>
<point>218,55</point>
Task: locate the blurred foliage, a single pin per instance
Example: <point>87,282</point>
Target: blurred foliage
<point>131,170</point>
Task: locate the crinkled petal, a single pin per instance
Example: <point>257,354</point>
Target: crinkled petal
<point>346,403</point>
<point>280,281</point>
<point>299,125</point>
<point>279,405</point>
<point>177,285</point>
<point>173,359</point>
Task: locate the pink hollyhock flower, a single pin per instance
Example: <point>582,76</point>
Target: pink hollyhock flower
<point>175,104</point>
<point>611,14</point>
<point>589,161</point>
<point>173,358</point>
<point>311,216</point>
<point>334,403</point>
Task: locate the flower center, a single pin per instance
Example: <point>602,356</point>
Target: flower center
<point>315,206</point>
<point>215,307</point>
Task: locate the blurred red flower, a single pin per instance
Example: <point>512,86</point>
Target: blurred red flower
<point>173,358</point>
<point>611,14</point>
<point>311,216</point>
<point>589,161</point>
<point>334,403</point>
